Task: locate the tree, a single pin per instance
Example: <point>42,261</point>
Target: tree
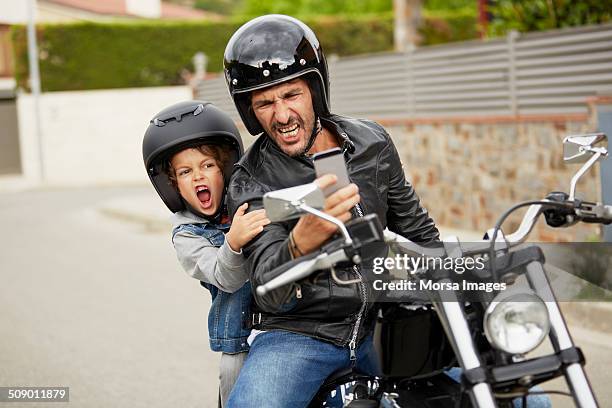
<point>316,7</point>
<point>536,15</point>
<point>225,7</point>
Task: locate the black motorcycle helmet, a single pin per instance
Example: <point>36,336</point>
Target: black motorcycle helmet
<point>269,50</point>
<point>183,125</point>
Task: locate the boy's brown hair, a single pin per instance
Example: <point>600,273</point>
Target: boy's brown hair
<point>218,153</point>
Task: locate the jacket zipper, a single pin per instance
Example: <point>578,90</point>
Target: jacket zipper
<point>352,344</point>
<point>362,292</point>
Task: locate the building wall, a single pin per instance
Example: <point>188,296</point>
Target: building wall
<point>90,137</point>
<point>13,11</point>
<point>468,174</point>
<point>55,13</point>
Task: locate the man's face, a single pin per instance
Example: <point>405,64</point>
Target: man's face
<point>286,114</point>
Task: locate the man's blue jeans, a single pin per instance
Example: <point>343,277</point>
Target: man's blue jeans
<point>286,369</point>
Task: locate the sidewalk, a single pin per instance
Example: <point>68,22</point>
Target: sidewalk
<point>146,209</point>
<point>592,315</point>
<point>10,183</point>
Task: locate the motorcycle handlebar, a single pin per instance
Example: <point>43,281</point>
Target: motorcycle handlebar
<point>301,268</point>
<point>304,266</point>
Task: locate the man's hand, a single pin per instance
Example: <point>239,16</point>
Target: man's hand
<point>311,232</point>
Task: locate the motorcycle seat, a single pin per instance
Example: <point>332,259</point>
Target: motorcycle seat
<point>342,376</point>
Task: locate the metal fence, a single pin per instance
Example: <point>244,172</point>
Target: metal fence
<point>549,72</point>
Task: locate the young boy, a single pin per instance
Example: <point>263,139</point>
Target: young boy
<point>189,150</point>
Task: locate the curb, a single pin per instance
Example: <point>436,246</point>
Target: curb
<point>150,223</point>
<point>16,184</point>
<point>596,316</point>
<point>138,209</point>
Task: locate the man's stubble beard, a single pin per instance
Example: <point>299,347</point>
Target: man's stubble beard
<point>300,148</point>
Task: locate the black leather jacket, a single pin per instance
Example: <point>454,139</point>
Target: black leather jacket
<point>318,306</point>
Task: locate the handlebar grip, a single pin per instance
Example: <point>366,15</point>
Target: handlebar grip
<point>594,213</point>
<point>289,272</point>
<point>608,212</point>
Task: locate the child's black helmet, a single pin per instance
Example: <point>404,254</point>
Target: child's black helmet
<point>267,51</point>
<point>179,126</point>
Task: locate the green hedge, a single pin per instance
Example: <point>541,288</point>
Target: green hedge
<point>119,55</point>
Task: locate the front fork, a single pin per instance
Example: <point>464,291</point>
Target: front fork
<point>455,323</point>
<point>560,338</point>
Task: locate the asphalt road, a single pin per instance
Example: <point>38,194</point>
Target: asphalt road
<point>98,303</point>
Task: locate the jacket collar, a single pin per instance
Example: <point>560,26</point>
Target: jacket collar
<point>332,124</point>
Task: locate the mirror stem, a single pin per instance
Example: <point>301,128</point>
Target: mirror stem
<point>581,172</point>
<point>333,220</point>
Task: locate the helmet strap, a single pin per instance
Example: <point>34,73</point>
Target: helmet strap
<point>316,129</point>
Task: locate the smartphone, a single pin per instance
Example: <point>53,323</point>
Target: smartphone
<point>331,162</point>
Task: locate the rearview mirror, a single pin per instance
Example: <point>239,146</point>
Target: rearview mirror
<point>580,148</point>
<point>283,205</point>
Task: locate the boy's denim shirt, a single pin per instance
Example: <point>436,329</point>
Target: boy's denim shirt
<point>229,311</point>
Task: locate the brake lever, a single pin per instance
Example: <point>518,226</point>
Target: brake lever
<point>576,210</point>
<point>594,213</point>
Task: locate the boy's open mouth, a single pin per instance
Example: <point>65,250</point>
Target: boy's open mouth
<point>204,196</point>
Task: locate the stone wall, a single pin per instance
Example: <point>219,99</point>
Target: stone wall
<point>468,173</point>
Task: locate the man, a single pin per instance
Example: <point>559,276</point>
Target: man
<point>277,76</point>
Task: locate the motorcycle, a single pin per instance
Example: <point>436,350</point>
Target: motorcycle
<point>484,334</point>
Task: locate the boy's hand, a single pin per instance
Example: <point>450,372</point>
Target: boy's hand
<point>245,227</point>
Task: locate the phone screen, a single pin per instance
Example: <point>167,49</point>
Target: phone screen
<point>331,162</point>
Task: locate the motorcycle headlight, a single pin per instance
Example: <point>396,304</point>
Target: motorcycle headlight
<point>516,322</point>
